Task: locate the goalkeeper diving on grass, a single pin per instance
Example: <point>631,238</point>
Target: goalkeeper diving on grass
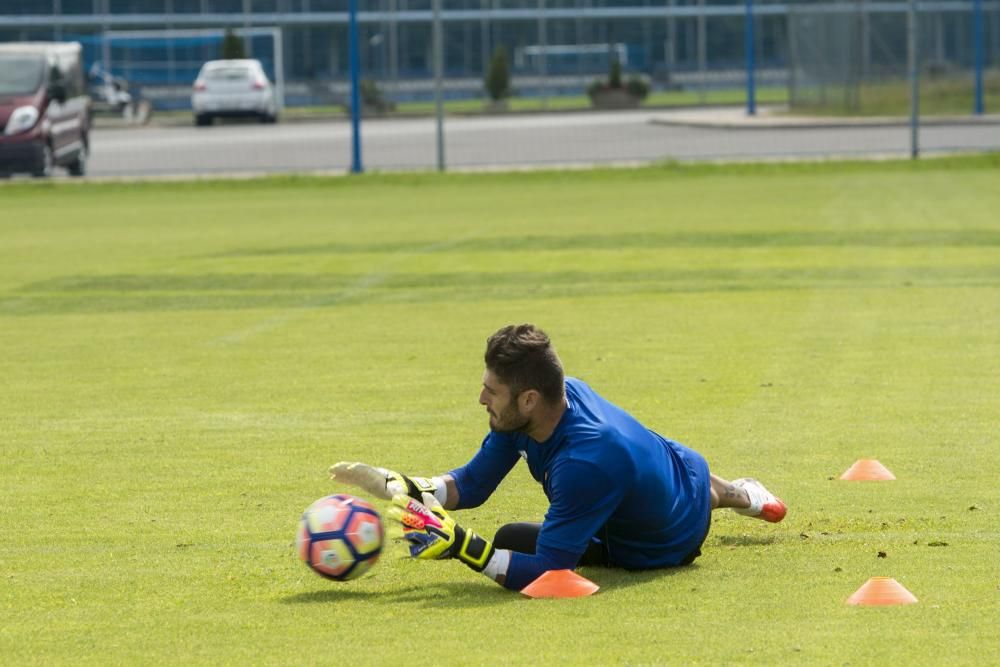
<point>620,494</point>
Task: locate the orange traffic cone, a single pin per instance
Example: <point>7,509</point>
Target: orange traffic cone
<point>881,591</point>
<point>867,470</point>
<point>560,584</point>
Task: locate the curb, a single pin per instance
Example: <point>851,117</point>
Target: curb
<point>805,123</point>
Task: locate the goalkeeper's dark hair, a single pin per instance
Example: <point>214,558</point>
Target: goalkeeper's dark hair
<point>522,357</point>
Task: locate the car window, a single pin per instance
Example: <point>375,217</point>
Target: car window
<point>71,73</point>
<point>20,74</point>
<point>229,74</point>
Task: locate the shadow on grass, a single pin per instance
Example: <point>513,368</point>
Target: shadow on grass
<point>744,540</point>
<point>466,594</point>
<point>440,595</point>
<point>329,595</point>
<point>470,594</point>
<point>615,578</point>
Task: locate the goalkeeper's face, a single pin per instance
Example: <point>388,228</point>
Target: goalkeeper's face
<point>503,408</point>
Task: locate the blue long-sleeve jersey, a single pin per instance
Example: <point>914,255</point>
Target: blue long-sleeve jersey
<point>607,477</point>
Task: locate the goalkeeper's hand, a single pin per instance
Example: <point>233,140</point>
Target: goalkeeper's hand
<point>434,535</point>
<point>380,482</point>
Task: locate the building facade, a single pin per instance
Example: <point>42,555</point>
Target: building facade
<point>555,46</point>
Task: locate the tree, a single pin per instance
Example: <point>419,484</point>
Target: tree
<point>498,76</point>
<point>232,46</point>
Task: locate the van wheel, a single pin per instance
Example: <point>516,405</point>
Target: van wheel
<point>202,120</point>
<point>78,167</point>
<point>45,165</point>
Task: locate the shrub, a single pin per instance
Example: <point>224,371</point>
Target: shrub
<point>595,88</point>
<point>370,94</point>
<point>637,87</point>
<point>232,46</point>
<point>372,97</point>
<point>498,76</point>
<point>615,75</point>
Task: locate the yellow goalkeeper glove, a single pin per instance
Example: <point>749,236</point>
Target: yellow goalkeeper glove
<point>433,535</point>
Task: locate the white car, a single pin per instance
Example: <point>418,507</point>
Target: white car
<point>230,88</point>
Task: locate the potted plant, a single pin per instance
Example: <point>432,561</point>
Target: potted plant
<point>614,94</point>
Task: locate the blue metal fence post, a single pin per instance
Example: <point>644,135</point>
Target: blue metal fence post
<point>750,57</point>
<point>977,45</point>
<point>355,65</point>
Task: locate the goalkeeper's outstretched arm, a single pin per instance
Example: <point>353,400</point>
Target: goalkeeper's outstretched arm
<point>384,483</point>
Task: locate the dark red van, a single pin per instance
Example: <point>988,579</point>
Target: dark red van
<point>44,109</point>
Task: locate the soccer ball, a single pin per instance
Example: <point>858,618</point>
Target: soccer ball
<point>340,537</point>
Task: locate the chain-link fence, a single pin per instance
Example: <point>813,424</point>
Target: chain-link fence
<point>826,76</point>
<point>854,59</point>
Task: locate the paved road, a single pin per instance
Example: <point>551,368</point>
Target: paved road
<point>511,141</point>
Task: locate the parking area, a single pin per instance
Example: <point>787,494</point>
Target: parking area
<point>516,141</point>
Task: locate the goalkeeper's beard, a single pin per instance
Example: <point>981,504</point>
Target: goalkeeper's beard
<point>510,420</point>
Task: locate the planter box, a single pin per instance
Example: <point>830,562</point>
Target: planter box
<point>614,98</point>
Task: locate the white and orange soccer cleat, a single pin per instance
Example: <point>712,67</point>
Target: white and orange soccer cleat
<point>763,504</point>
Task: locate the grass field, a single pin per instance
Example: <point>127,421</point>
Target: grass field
<point>662,99</point>
<point>182,362</point>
